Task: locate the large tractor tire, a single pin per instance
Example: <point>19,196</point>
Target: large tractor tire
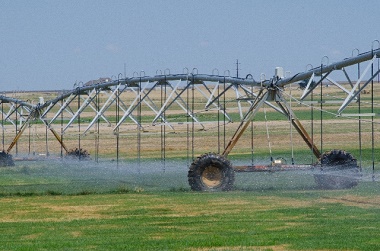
<point>211,172</point>
<point>339,170</point>
<point>6,159</point>
<point>79,154</point>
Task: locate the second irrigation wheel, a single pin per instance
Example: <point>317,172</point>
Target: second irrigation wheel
<point>77,153</point>
<point>339,170</point>
<point>211,172</point>
<point>6,159</point>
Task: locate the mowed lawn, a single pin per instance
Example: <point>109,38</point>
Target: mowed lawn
<point>294,218</point>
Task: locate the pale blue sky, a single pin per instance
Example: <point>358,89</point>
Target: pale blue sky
<point>53,44</point>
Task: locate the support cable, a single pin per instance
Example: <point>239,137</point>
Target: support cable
<point>16,129</point>
<point>268,138</point>
<point>312,124</point>
<point>224,112</point>
<point>252,134</point>
<point>218,118</point>
<point>163,126</point>
<point>34,140</point>
<point>79,141</point>
<point>46,141</point>
<point>117,122</point>
<point>192,121</point>
<point>187,124</point>
<point>372,124</point>
<point>252,145</point>
<point>378,69</point>
<point>321,112</point>
<point>2,125</point>
<point>162,122</point>
<point>138,127</point>
<point>61,153</point>
<point>360,123</point>
<point>29,139</point>
<point>290,125</point>
<point>97,127</point>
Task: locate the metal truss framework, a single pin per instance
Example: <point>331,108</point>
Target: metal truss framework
<point>176,89</point>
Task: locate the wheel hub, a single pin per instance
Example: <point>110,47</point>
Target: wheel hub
<point>212,176</point>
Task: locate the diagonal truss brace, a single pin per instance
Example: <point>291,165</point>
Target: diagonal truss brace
<point>111,99</point>
<point>262,96</point>
<point>169,101</point>
<point>132,107</point>
<point>353,93</point>
<point>253,109</point>
<point>212,96</point>
<point>283,104</point>
<point>309,90</point>
<point>64,106</point>
<point>147,100</point>
<point>81,108</point>
<point>17,109</point>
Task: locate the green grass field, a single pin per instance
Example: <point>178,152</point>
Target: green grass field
<point>145,203</point>
<point>147,206</point>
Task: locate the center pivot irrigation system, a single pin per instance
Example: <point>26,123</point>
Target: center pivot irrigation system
<point>211,171</point>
